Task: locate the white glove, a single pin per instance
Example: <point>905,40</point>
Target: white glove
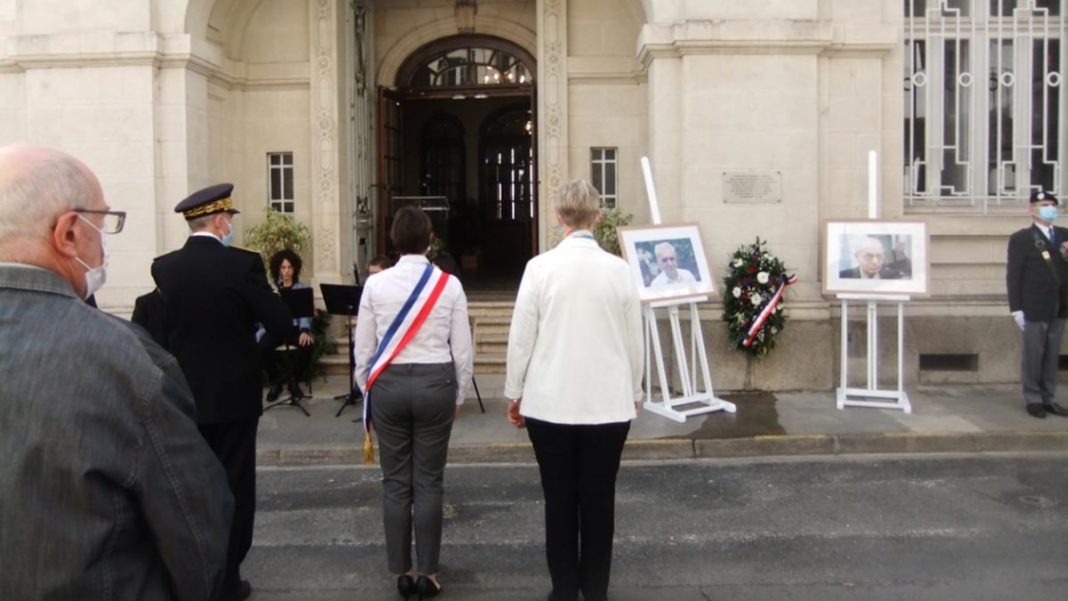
<point>1018,317</point>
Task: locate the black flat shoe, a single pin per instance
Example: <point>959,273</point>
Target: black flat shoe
<point>427,588</point>
<point>1036,410</point>
<point>1055,409</point>
<point>274,393</point>
<point>405,586</point>
<point>244,590</point>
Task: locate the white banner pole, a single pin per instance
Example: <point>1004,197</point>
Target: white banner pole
<point>654,205</point>
<point>873,185</point>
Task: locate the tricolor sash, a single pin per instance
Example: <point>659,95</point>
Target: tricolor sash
<point>407,322</point>
<point>758,323</point>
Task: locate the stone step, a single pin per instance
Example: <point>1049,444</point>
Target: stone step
<point>490,363</point>
<point>490,309</point>
<point>490,326</point>
<point>491,344</point>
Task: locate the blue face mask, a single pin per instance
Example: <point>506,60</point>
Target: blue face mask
<point>1047,213</point>
<point>229,237</point>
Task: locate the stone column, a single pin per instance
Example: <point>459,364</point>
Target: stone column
<point>665,132</point>
<point>551,111</point>
<point>325,181</point>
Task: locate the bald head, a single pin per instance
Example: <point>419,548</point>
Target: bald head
<point>870,255</point>
<point>667,260</point>
<point>36,185</point>
<point>40,188</point>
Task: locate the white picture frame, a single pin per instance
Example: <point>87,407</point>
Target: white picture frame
<point>692,275</point>
<point>875,257</point>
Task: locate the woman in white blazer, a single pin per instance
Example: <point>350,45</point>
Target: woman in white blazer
<point>574,376</point>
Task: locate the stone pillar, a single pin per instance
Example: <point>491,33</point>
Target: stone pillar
<point>325,181</point>
<point>665,133</point>
<point>552,111</point>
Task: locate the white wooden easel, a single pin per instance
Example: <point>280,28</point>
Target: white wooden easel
<point>861,397</point>
<point>699,396</point>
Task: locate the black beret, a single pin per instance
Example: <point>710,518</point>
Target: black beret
<point>1039,196</point>
<point>210,200</point>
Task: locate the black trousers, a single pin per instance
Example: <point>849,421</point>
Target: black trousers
<point>234,444</point>
<point>269,357</point>
<point>578,465</point>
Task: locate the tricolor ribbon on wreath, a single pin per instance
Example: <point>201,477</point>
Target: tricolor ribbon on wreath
<point>768,309</point>
<point>397,336</point>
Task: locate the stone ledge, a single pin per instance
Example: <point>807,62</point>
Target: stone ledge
<point>682,449</point>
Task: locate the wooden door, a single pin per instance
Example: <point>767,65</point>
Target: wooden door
<point>390,157</point>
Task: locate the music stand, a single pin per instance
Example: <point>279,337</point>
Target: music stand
<point>341,299</point>
<point>301,304</point>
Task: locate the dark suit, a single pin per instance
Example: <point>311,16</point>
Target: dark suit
<point>886,273</point>
<point>1033,289</point>
<point>213,297</point>
<point>149,313</point>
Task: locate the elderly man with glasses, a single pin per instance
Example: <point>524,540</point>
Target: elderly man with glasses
<point>108,489</point>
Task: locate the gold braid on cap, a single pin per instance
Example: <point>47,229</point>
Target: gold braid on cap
<point>223,204</point>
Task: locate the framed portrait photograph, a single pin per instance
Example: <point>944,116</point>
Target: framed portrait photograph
<point>667,261</point>
<point>877,257</point>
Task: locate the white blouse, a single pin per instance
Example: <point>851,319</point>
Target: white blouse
<point>575,350</point>
<point>445,335</point>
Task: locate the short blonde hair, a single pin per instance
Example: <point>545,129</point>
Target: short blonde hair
<point>578,203</point>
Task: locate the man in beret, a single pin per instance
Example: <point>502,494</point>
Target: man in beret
<point>1036,279</point>
<point>107,490</point>
<point>213,296</point>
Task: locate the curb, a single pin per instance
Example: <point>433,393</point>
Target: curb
<point>754,446</point>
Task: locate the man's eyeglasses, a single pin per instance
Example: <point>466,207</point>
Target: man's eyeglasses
<point>113,220</point>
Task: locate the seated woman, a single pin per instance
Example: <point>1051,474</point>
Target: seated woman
<point>285,268</point>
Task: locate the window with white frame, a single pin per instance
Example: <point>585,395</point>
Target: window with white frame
<point>280,181</point>
<point>984,111</point>
<point>603,170</point>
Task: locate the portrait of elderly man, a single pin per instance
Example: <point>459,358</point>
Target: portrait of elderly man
<point>670,274</point>
<point>870,258</point>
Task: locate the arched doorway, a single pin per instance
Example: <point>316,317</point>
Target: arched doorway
<point>459,126</point>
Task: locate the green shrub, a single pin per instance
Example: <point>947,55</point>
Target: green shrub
<point>605,229</point>
<point>278,231</point>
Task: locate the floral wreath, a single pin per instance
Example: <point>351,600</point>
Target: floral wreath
<point>752,298</point>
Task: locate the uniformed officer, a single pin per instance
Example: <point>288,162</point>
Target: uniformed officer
<point>1036,279</point>
<point>214,295</point>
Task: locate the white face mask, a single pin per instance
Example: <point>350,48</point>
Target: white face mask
<point>95,276</point>
<point>229,237</point>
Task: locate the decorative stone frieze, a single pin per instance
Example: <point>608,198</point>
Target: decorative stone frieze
<point>552,109</point>
<point>324,145</point>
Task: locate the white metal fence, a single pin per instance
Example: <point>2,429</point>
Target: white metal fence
<point>984,110</point>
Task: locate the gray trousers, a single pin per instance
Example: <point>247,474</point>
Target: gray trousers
<point>1040,358</point>
<point>412,407</point>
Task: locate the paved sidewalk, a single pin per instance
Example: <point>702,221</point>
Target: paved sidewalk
<point>951,419</point>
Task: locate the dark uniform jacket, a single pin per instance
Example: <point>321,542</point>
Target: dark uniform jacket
<point>214,296</point>
<point>149,313</point>
<point>1031,286</point>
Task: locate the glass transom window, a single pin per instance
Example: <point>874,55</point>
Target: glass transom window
<point>471,66</point>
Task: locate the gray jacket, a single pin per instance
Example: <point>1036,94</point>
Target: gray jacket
<point>107,489</point>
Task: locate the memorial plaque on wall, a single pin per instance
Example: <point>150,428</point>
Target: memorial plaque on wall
<point>752,187</point>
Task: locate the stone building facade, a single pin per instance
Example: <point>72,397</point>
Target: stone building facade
<point>331,109</point>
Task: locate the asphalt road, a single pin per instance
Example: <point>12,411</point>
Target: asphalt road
<point>862,528</point>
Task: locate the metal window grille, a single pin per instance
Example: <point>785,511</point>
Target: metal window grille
<point>280,181</point>
<point>603,169</point>
<point>984,110</point>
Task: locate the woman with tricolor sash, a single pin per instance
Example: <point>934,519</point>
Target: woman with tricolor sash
<point>412,352</point>
<point>574,377</point>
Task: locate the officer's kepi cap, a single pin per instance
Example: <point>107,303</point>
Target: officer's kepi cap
<point>209,201</point>
<point>1039,196</point>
